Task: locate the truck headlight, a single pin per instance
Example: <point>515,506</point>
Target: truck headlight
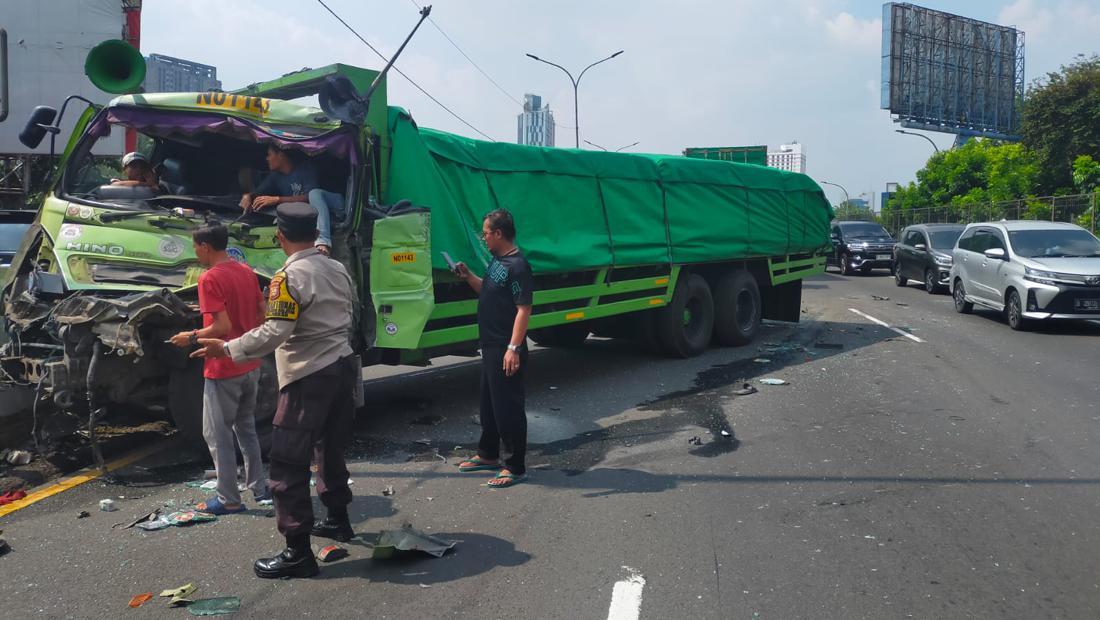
<point>1040,276</point>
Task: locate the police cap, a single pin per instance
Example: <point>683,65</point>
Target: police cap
<point>297,220</point>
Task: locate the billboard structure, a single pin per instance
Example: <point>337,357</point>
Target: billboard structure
<point>742,154</point>
<point>948,73</point>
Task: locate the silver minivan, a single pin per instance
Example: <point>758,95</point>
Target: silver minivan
<point>1028,270</point>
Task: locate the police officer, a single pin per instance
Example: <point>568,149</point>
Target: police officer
<point>309,315</point>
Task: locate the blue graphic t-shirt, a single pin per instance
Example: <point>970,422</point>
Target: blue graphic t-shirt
<point>508,283</point>
<point>298,183</point>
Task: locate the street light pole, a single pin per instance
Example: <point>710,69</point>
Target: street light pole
<point>911,133</point>
<point>576,83</point>
<point>847,200</point>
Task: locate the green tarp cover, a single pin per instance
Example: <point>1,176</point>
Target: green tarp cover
<point>577,210</point>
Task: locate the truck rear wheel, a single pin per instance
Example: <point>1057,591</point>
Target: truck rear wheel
<point>568,336</point>
<point>737,309</point>
<point>684,327</point>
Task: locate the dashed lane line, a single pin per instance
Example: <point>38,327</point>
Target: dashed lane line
<point>886,325</point>
<point>626,597</point>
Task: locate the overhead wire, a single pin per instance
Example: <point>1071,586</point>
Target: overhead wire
<point>402,74</point>
<point>477,66</point>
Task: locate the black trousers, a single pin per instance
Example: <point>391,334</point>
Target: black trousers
<point>313,422</point>
<point>503,410</point>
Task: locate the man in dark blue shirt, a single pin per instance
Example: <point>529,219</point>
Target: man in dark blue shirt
<point>296,182</point>
<point>504,303</point>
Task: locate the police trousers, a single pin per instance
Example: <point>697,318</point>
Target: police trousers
<point>313,422</point>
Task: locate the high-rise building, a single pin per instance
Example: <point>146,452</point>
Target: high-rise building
<point>789,157</point>
<point>536,123</point>
<point>164,74</point>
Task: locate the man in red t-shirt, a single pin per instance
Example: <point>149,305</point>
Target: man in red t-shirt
<point>231,304</point>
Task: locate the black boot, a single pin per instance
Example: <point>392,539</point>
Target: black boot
<point>295,561</point>
<point>336,526</point>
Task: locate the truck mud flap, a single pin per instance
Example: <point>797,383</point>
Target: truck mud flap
<point>782,302</point>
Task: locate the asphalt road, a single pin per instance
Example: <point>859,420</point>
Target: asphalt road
<point>952,474</point>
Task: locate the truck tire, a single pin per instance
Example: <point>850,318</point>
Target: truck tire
<point>185,403</point>
<point>568,336</point>
<point>684,327</point>
<point>736,309</point>
<point>185,389</point>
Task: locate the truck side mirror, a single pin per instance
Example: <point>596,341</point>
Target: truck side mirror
<point>39,124</point>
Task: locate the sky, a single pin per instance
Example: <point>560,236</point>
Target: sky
<point>693,72</point>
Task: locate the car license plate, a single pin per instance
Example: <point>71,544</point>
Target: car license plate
<point>882,257</point>
<point>1087,304</point>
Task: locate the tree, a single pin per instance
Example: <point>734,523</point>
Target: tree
<point>849,210</point>
<point>1061,121</point>
<point>977,173</point>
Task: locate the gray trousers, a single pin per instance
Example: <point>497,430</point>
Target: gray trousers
<point>228,410</point>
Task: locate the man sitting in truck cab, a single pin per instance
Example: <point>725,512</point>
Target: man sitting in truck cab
<point>138,172</point>
<point>291,181</point>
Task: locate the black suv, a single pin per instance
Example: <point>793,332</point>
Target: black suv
<point>923,253</point>
<point>861,245</point>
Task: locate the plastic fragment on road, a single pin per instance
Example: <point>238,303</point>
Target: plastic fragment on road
<point>880,298</point>
<point>179,518</point>
<point>695,441</point>
<point>221,606</point>
<point>744,390</point>
<point>762,360</point>
<point>178,596</point>
<point>140,599</point>
<point>388,491</point>
<point>773,381</point>
<point>83,514</point>
<point>4,547</point>
<point>143,519</point>
<point>392,542</point>
<point>331,553</point>
<point>107,505</point>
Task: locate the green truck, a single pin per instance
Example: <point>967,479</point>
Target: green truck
<point>677,252</point>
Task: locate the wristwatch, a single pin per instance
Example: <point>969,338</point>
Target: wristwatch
<point>225,349</point>
<point>512,347</point>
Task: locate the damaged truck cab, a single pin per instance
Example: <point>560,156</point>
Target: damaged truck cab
<point>107,273</point>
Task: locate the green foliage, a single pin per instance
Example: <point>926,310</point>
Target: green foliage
<point>1061,121</point>
<point>853,211</point>
<point>978,172</point>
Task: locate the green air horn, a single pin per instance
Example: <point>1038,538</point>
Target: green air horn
<point>115,66</point>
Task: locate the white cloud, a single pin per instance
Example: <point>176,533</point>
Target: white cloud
<point>849,31</point>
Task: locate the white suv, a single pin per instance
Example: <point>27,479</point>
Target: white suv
<point>1028,270</point>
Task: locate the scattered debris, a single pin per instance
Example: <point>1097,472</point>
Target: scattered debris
<point>744,390</point>
<point>555,409</point>
<point>880,298</point>
<point>904,305</point>
<point>762,360</point>
<point>107,505</point>
<point>179,595</point>
<point>695,441</point>
<point>215,606</point>
<point>725,433</point>
<point>332,553</point>
<point>142,519</point>
<point>83,514</point>
<point>424,442</point>
<point>140,599</point>
<point>775,347</point>
<point>772,381</point>
<point>424,585</point>
<point>388,491</point>
<point>428,420</point>
<point>406,539</point>
<point>828,345</point>
<point>475,420</point>
<point>4,547</point>
<point>19,457</point>
<point>179,518</point>
<point>12,496</point>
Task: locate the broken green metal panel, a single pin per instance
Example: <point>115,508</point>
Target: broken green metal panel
<point>790,270</point>
<point>401,278</point>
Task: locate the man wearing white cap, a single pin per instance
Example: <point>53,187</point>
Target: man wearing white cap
<point>138,172</point>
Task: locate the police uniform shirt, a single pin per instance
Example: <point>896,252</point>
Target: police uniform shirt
<point>309,314</point>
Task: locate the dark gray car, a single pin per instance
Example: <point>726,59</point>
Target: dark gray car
<point>923,253</point>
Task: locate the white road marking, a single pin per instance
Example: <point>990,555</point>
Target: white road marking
<point>886,325</point>
<point>626,597</point>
